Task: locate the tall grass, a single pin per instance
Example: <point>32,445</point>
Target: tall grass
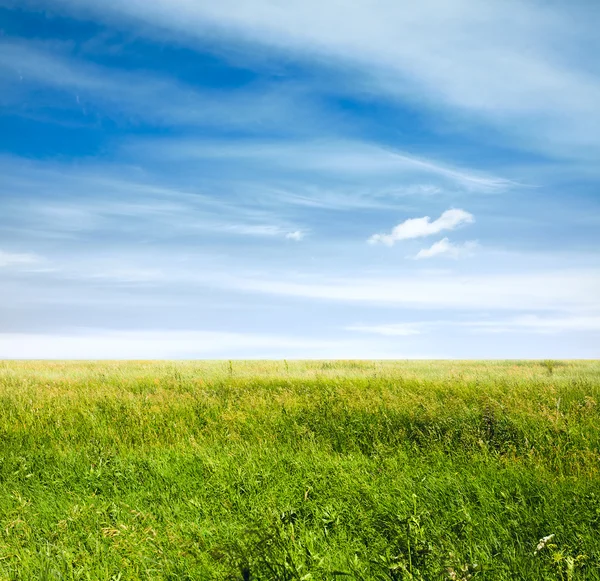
<point>299,470</point>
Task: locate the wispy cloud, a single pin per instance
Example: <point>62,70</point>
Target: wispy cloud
<point>125,200</point>
<point>558,289</point>
<point>388,330</point>
<point>96,92</point>
<point>529,324</point>
<point>129,275</point>
<point>494,61</point>
<point>16,258</point>
<point>421,227</point>
<point>347,160</point>
<point>448,249</point>
<point>266,230</point>
<point>539,324</point>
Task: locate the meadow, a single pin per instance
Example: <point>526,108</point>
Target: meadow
<point>300,470</point>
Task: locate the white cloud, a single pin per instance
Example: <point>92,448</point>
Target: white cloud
<point>296,235</point>
<point>12,259</point>
<point>421,227</point>
<point>446,248</point>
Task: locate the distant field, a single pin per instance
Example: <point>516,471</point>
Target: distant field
<point>299,470</point>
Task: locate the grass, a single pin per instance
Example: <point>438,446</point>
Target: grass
<point>300,470</point>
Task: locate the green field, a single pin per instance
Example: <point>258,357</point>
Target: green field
<point>299,470</point>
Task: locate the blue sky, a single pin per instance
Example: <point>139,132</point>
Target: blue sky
<point>258,178</point>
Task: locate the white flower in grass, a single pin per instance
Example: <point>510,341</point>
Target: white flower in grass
<point>542,543</point>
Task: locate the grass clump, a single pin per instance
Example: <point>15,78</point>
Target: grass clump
<point>299,470</point>
<point>551,365</point>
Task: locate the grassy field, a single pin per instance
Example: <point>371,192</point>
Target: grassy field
<point>299,470</point>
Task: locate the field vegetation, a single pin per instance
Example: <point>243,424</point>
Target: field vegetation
<point>300,470</point>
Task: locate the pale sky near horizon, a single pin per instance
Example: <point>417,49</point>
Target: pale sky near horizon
<point>299,179</point>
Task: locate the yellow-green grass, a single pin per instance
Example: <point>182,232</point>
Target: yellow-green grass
<point>299,470</point>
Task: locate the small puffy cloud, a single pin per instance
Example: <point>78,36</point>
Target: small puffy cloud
<point>11,259</point>
<point>446,248</point>
<point>297,235</point>
<point>421,227</point>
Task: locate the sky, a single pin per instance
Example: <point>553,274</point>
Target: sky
<point>299,179</point>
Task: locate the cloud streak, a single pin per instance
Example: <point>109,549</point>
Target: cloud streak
<point>344,159</point>
<point>85,199</point>
<point>16,258</point>
<point>563,289</point>
<point>528,324</point>
<point>539,324</point>
<point>388,330</point>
